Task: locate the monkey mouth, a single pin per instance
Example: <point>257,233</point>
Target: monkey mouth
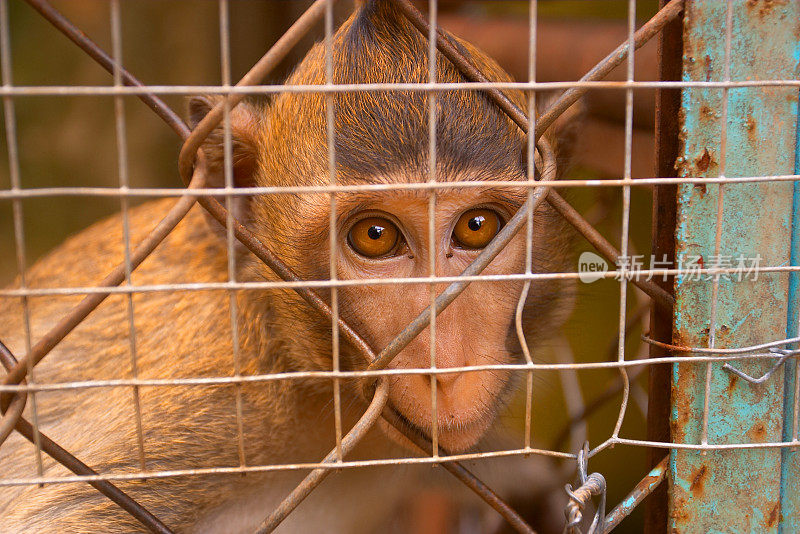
<point>456,436</point>
<point>466,407</point>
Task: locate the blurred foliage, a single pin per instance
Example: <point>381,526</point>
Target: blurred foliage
<point>70,141</point>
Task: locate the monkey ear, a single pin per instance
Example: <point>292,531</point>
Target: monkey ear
<point>243,125</point>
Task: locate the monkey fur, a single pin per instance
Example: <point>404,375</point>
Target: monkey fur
<point>381,137</point>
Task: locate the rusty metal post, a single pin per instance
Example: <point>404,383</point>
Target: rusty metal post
<point>668,102</point>
<point>731,483</point>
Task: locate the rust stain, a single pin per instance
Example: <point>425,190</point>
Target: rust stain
<point>757,432</point>
<point>680,513</point>
<point>674,428</point>
<point>703,162</point>
<point>708,67</point>
<point>764,6</point>
<point>773,515</point>
<point>697,486</point>
<point>678,338</point>
<point>751,129</point>
<point>703,333</point>
<point>732,379</point>
<point>707,112</point>
<point>684,416</point>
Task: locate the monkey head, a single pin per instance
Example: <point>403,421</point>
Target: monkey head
<point>382,137</point>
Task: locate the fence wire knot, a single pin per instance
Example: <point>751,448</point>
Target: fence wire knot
<point>783,355</point>
<point>591,486</point>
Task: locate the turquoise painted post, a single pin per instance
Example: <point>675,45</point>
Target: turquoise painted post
<point>750,489</point>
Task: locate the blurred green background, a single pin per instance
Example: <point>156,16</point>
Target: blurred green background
<point>69,141</point>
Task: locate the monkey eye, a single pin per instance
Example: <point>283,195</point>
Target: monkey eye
<point>476,227</point>
<point>374,237</point>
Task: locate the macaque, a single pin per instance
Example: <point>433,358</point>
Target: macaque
<point>381,137</point>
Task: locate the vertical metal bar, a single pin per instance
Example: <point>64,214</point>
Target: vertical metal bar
<point>122,169</point>
<point>757,138</point>
<point>230,240</point>
<point>668,102</point>
<point>19,229</point>
<point>331,137</point>
<point>626,215</point>
<point>432,51</point>
<point>533,9</point>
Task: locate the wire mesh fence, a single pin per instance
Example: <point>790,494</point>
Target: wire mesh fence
<point>353,359</point>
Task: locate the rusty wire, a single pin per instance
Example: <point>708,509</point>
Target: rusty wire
<point>12,408</point>
<point>192,174</point>
<point>591,486</point>
<point>645,487</point>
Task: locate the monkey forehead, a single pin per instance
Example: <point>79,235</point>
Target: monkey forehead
<point>378,132</point>
<point>384,137</point>
<point>379,153</point>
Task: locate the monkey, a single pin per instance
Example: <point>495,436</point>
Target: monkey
<point>381,137</point>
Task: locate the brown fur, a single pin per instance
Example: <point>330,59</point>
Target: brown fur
<point>380,137</point>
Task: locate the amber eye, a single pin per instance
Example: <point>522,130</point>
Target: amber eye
<point>373,237</point>
<point>475,228</point>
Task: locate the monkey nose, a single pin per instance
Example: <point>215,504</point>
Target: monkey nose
<point>445,382</point>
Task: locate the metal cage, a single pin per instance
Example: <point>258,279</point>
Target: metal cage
<point>723,388</point>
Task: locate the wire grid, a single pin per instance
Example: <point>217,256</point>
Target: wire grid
<point>20,384</point>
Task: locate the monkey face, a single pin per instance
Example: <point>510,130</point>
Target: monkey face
<point>388,236</point>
